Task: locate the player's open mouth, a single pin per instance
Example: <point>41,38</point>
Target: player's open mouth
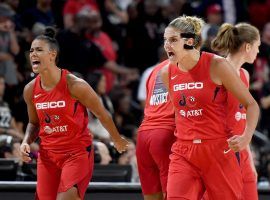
<point>35,63</point>
<point>170,54</point>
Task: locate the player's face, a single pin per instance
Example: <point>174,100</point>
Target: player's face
<point>254,50</point>
<point>173,44</point>
<point>40,56</point>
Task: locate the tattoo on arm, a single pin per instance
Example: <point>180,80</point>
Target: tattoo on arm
<point>31,133</point>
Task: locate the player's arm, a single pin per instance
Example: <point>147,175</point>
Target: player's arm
<point>252,164</point>
<point>83,92</point>
<point>222,73</point>
<point>32,128</point>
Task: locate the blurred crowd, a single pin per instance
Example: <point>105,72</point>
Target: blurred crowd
<point>113,45</point>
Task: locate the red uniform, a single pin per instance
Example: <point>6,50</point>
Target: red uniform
<point>198,161</point>
<point>236,123</point>
<point>156,135</point>
<point>65,157</point>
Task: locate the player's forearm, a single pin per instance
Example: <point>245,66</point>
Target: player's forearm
<point>252,119</point>
<point>114,67</point>
<point>31,133</point>
<point>108,123</point>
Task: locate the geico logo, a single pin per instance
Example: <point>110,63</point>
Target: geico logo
<point>53,104</point>
<point>188,86</point>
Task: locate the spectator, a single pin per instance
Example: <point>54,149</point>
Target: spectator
<point>260,74</point>
<point>101,153</point>
<point>147,27</point>
<point>98,82</point>
<point>105,44</point>
<point>8,45</point>
<point>214,17</point>
<point>41,14</point>
<point>73,7</point>
<point>7,121</point>
<point>79,48</point>
<point>211,34</point>
<point>129,158</point>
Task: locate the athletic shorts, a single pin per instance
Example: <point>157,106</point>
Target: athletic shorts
<point>200,165</point>
<point>58,172</point>
<point>152,150</point>
<point>249,180</point>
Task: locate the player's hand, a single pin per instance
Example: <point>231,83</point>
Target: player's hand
<point>25,152</point>
<point>238,142</point>
<point>121,144</point>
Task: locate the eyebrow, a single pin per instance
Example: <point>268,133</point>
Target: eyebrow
<point>32,48</point>
<point>174,36</point>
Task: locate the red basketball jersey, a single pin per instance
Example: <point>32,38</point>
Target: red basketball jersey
<point>158,112</point>
<point>199,103</point>
<point>236,118</point>
<point>63,120</point>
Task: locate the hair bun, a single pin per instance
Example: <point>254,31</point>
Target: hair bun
<point>50,32</point>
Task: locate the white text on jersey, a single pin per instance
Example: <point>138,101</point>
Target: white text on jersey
<point>157,99</point>
<point>52,104</point>
<point>188,86</point>
<point>191,113</point>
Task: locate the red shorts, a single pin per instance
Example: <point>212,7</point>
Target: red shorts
<point>249,179</point>
<point>153,149</point>
<point>196,167</point>
<point>58,172</point>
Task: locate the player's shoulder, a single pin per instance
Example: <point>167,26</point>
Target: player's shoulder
<point>162,64</point>
<point>75,84</point>
<point>28,90</point>
<point>218,62</point>
<point>29,86</point>
<point>165,67</point>
<point>73,79</point>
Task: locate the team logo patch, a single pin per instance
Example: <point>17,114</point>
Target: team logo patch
<point>238,116</point>
<point>191,101</point>
<point>48,130</point>
<point>182,101</point>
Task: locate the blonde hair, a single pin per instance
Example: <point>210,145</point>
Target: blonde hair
<point>189,24</point>
<point>230,38</point>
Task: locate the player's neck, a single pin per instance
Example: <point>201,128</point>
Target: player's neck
<point>50,78</point>
<point>190,61</point>
<point>235,61</point>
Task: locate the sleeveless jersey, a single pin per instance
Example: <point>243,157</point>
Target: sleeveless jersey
<point>158,112</point>
<point>199,103</point>
<point>63,120</point>
<point>236,118</point>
